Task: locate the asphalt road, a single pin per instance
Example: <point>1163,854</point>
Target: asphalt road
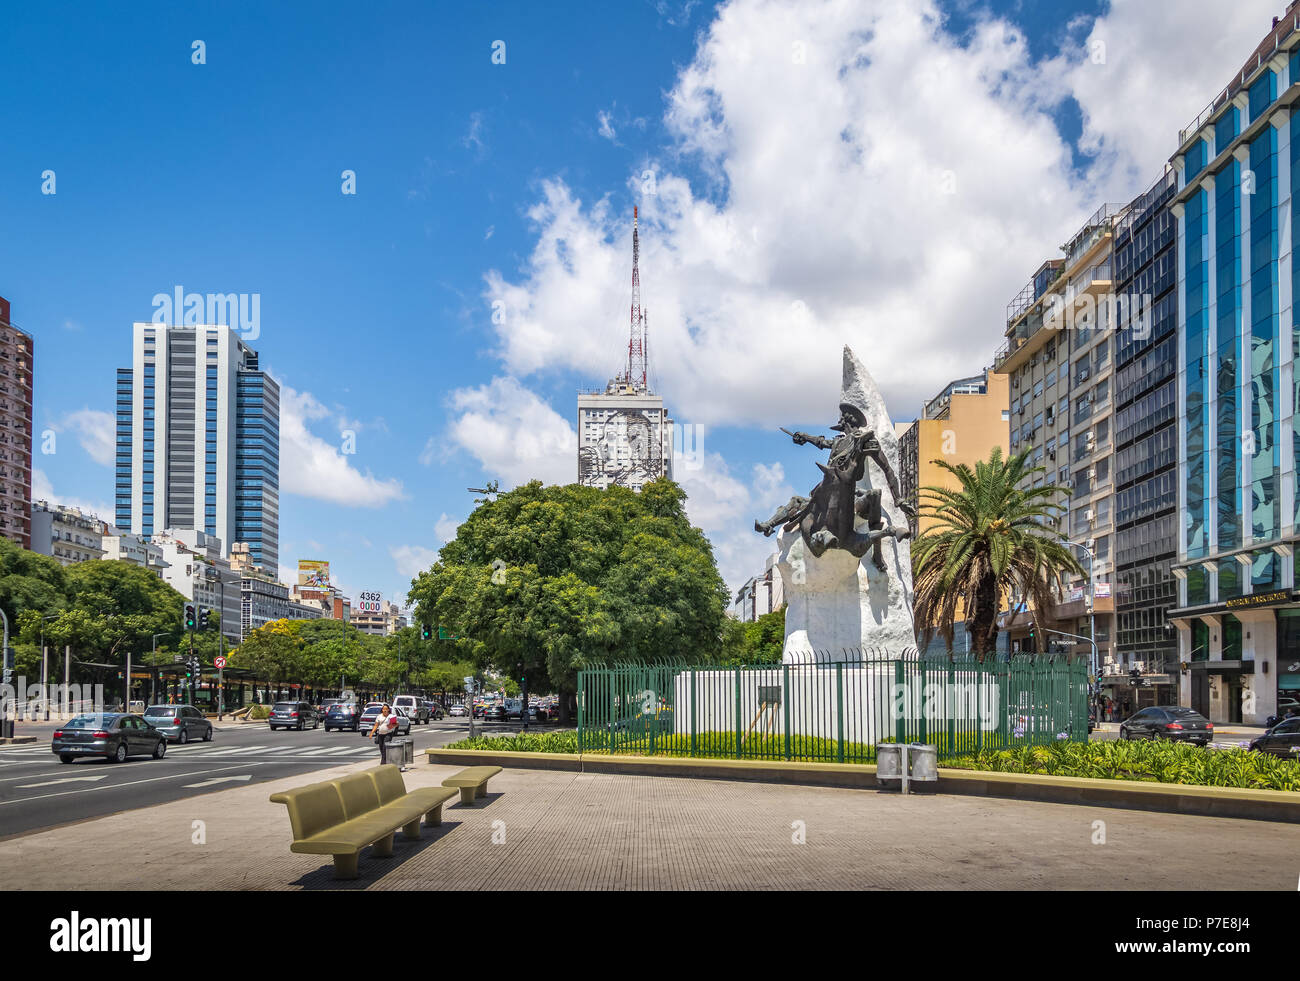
<point>38,792</point>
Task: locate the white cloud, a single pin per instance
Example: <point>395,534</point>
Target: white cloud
<point>312,467</point>
<point>411,560</point>
<point>829,219</point>
<point>473,138</point>
<point>829,222</point>
<point>513,433</point>
<point>96,432</point>
<point>726,508</point>
<point>866,179</point>
<point>1145,70</point>
<point>606,128</point>
<point>43,490</point>
<point>445,527</point>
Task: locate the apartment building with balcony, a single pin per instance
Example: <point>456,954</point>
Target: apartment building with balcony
<point>67,535</point>
<point>761,594</point>
<point>17,359</point>
<point>1059,358</point>
<point>963,423</point>
<point>1146,453</point>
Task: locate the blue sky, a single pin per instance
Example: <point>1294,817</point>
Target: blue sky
<point>769,187</point>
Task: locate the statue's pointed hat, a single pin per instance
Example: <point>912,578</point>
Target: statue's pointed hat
<point>859,393</point>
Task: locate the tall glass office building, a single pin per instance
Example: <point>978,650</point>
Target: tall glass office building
<point>1238,619</point>
<point>198,439</point>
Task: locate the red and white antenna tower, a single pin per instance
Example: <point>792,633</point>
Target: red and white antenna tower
<point>636,345</point>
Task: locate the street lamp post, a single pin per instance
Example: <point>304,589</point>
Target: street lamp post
<point>153,667</point>
<point>214,575</point>
<point>1092,605</point>
<point>45,667</point>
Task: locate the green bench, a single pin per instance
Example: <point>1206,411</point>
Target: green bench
<point>341,817</point>
<point>472,782</point>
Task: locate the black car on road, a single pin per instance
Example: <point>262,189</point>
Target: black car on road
<point>496,712</point>
<point>111,735</point>
<point>1282,740</point>
<point>1168,722</point>
<point>345,715</point>
<point>293,715</point>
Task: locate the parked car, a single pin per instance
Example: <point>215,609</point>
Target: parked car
<point>496,712</point>
<point>343,715</point>
<point>415,707</point>
<point>113,736</point>
<point>1168,722</point>
<point>1287,708</point>
<point>1281,740</point>
<point>458,711</point>
<point>372,712</point>
<point>293,715</point>
<point>179,723</point>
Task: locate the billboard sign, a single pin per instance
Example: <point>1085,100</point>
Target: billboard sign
<point>370,602</point>
<point>313,573</point>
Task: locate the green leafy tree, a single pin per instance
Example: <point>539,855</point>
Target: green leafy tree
<point>273,651</point>
<point>761,641</point>
<point>543,580</point>
<point>31,586</point>
<point>989,539</point>
<point>112,608</point>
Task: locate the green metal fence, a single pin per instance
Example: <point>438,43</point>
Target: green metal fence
<point>834,711</point>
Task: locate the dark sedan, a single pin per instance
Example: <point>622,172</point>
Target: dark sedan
<point>343,716</point>
<point>1168,722</point>
<point>1282,740</point>
<point>110,735</point>
<point>496,712</point>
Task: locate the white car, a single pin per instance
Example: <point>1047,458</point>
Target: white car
<point>414,707</point>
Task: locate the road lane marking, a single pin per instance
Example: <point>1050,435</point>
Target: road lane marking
<point>209,783</point>
<point>115,786</point>
<point>51,783</point>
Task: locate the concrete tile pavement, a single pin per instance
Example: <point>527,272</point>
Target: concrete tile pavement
<point>541,829</point>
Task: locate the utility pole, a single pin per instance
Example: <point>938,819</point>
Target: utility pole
<point>6,724</point>
<point>45,667</point>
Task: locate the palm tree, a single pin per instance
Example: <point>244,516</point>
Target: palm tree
<point>989,540</point>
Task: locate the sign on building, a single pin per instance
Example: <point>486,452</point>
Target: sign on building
<point>313,572</point>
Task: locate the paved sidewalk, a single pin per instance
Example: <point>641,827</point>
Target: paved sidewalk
<point>542,829</point>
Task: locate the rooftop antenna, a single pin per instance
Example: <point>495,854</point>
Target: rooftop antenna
<point>636,346</point>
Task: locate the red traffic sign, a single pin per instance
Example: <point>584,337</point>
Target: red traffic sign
<point>219,661</point>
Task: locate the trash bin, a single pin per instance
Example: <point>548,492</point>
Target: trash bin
<point>922,764</point>
<point>401,751</point>
<point>888,761</point>
<point>924,760</point>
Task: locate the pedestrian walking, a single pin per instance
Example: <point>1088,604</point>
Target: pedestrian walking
<point>385,725</point>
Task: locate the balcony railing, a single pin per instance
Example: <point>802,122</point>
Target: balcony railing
<point>1285,27</point>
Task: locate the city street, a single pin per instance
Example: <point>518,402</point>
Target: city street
<point>37,792</point>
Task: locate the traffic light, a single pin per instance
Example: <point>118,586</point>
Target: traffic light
<point>205,620</point>
<point>424,631</point>
<point>189,616</point>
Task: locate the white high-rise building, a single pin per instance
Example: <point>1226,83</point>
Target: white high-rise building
<point>198,439</point>
<point>625,437</point>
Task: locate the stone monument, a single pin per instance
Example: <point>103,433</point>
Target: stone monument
<point>844,555</point>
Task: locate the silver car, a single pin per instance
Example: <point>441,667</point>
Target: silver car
<point>179,723</point>
<point>371,713</point>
